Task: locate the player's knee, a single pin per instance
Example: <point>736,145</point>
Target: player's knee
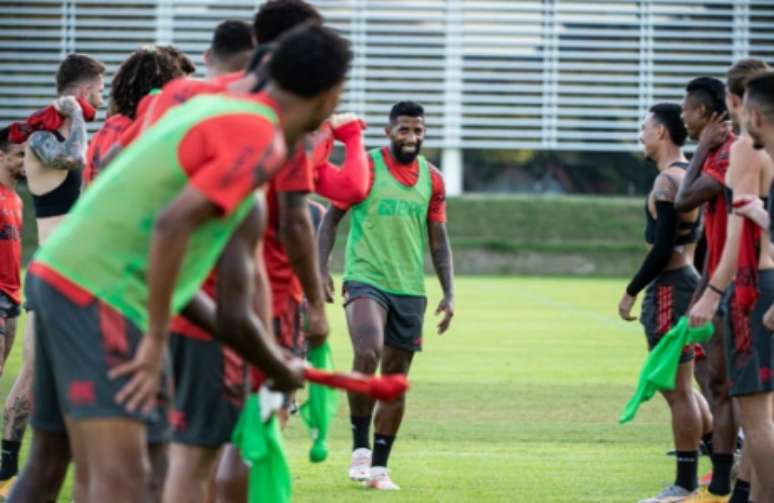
<point>367,358</point>
<point>230,487</point>
<point>119,479</point>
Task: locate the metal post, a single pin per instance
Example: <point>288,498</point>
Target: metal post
<point>452,104</point>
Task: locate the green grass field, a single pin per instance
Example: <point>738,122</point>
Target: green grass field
<point>517,404</point>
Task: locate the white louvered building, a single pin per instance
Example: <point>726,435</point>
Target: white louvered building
<point>492,74</point>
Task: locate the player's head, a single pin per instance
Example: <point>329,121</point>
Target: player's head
<point>758,111</point>
<point>231,47</point>
<point>663,126</point>
<point>704,97</point>
<point>311,63</point>
<point>185,64</point>
<point>736,81</point>
<point>11,155</point>
<point>81,76</point>
<point>145,69</point>
<point>406,130</point>
<point>275,17</point>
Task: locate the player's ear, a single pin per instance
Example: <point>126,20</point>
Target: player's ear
<point>207,55</point>
<point>388,130</point>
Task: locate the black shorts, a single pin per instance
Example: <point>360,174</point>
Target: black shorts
<point>210,388</point>
<point>405,314</point>
<point>666,299</point>
<point>749,345</point>
<point>287,328</point>
<point>75,348</point>
<point>9,309</point>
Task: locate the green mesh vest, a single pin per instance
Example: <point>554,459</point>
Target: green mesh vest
<point>386,244</point>
<point>103,245</point>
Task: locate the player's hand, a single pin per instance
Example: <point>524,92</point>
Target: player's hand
<point>768,318</point>
<point>145,370</point>
<point>715,132</point>
<point>754,210</point>
<point>316,329</point>
<point>446,306</point>
<point>345,125</point>
<point>704,310</point>
<point>290,378</point>
<point>329,288</point>
<point>67,106</point>
<point>625,307</point>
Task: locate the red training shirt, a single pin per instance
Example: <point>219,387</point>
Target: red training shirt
<point>715,210</point>
<point>10,243</point>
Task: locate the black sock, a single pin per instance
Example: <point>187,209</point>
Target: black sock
<point>687,467</point>
<point>382,448</point>
<point>706,440</point>
<point>721,474</point>
<point>360,427</point>
<point>9,459</point>
<point>741,492</point>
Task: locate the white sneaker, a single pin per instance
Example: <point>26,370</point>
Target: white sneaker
<point>360,468</point>
<point>380,480</point>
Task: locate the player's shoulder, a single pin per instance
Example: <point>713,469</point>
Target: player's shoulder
<point>666,184</point>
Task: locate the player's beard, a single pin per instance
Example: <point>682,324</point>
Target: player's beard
<point>405,157</point>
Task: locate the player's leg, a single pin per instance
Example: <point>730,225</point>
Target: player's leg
<point>366,319</point>
<point>116,454</point>
<point>45,470</point>
<point>686,426</point>
<point>18,405</point>
<point>231,478</point>
<point>189,474</point>
<point>742,487</point>
<point>158,457</point>
<point>756,416</point>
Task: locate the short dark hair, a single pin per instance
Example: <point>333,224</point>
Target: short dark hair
<point>5,139</point>
<point>275,17</point>
<point>77,68</point>
<point>145,69</point>
<point>309,59</point>
<point>669,115</point>
<point>232,37</point>
<point>743,71</point>
<point>406,108</point>
<point>760,91</point>
<point>710,92</point>
<point>186,64</point>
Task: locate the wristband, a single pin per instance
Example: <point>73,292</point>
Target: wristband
<point>715,289</point>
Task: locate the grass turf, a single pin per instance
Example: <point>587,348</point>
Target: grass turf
<point>518,403</point>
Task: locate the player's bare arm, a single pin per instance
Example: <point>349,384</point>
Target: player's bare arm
<point>66,155</point>
<point>440,250</point>
<point>325,240</point>
<point>696,187</point>
<point>297,234</point>
<point>238,325</point>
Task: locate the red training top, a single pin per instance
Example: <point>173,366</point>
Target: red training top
<point>10,243</point>
<point>715,210</point>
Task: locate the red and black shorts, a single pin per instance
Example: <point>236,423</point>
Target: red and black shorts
<point>748,343</point>
<point>76,346</point>
<point>287,328</point>
<point>210,387</point>
<point>666,299</point>
<point>9,310</point>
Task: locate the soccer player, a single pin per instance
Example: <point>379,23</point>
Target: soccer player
<point>167,208</point>
<point>54,156</point>
<point>704,114</point>
<point>144,70</point>
<point>671,280</point>
<point>384,294</point>
<point>11,171</point>
<point>746,259</point>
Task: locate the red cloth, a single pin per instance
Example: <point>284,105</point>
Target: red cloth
<point>101,143</point>
<point>384,388</point>
<point>715,214</point>
<point>10,243</point>
<point>746,282</point>
<point>47,119</point>
<point>348,184</point>
<point>408,175</point>
<point>224,155</point>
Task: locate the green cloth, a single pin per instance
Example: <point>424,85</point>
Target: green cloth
<point>103,244</point>
<point>386,243</point>
<point>321,406</point>
<point>660,369</point>
<point>260,445</point>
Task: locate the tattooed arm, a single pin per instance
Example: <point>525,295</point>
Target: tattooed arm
<point>69,154</point>
<point>326,238</point>
<point>444,268</point>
